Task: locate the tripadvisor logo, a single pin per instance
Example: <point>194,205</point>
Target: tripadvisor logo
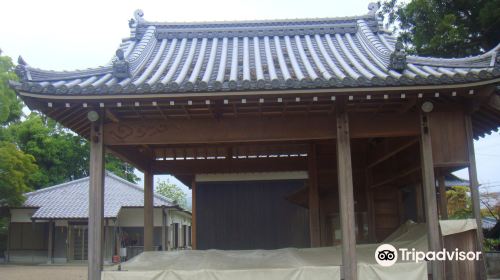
<point>387,255</point>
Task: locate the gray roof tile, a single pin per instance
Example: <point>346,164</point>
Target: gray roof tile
<point>70,200</point>
<point>308,53</point>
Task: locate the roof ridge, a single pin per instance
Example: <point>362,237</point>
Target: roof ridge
<point>55,187</point>
<point>257,21</point>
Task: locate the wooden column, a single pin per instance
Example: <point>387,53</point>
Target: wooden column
<point>148,211</point>
<point>419,203</point>
<point>429,187</point>
<point>163,229</point>
<point>7,255</point>
<point>443,201</point>
<point>346,196</point>
<point>474,192</point>
<point>96,201</point>
<point>314,230</point>
<point>50,243</point>
<point>193,215</point>
<point>372,237</point>
<point>370,201</point>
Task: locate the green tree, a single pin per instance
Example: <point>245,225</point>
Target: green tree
<point>447,28</point>
<point>60,155</point>
<point>17,171</point>
<point>172,192</point>
<point>121,168</point>
<point>459,202</point>
<point>10,105</point>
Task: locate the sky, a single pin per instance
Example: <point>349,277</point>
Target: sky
<point>68,35</point>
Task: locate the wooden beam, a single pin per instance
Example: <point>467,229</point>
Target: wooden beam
<point>148,210</point>
<point>429,186</point>
<point>494,102</point>
<point>402,174</point>
<point>474,192</point>
<point>130,155</point>
<point>314,229</point>
<point>231,130</point>
<point>196,166</point>
<point>193,215</point>
<point>346,195</point>
<point>96,201</point>
<point>110,115</point>
<point>393,152</point>
<point>443,201</point>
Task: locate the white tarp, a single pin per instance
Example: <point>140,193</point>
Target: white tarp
<point>283,264</point>
<point>449,227</point>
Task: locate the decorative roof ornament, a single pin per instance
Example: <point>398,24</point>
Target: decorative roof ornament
<point>21,61</point>
<point>139,16</point>
<point>497,60</point>
<point>121,66</point>
<point>131,23</point>
<point>398,58</point>
<point>21,70</point>
<point>373,8</point>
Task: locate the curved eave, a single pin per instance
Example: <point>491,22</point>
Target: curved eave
<point>117,92</point>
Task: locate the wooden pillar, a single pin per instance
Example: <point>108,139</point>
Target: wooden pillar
<point>370,201</point>
<point>163,229</point>
<point>50,243</point>
<point>474,192</point>
<point>193,216</point>
<point>346,196</point>
<point>429,187</point>
<point>419,203</point>
<point>148,210</point>
<point>443,201</point>
<point>7,255</point>
<point>96,201</point>
<point>314,229</point>
<point>401,206</point>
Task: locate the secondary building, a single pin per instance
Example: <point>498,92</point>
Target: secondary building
<point>52,224</point>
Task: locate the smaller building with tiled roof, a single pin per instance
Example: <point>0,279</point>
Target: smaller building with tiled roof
<point>51,225</point>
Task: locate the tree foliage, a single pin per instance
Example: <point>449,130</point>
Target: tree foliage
<point>459,202</point>
<point>172,192</point>
<point>445,28</point>
<point>121,168</point>
<point>60,155</point>
<point>10,105</point>
<point>17,171</point>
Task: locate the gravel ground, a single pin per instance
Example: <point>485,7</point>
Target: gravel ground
<point>43,272</point>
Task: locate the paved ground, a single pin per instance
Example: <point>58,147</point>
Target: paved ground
<point>43,272</point>
<point>52,272</point>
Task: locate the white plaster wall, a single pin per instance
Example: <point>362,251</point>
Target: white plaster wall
<point>21,215</point>
<point>134,217</point>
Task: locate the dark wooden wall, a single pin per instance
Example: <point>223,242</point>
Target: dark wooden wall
<point>250,215</point>
<point>387,213</point>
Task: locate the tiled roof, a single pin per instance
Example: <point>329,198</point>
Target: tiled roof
<point>71,200</point>
<point>259,55</point>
